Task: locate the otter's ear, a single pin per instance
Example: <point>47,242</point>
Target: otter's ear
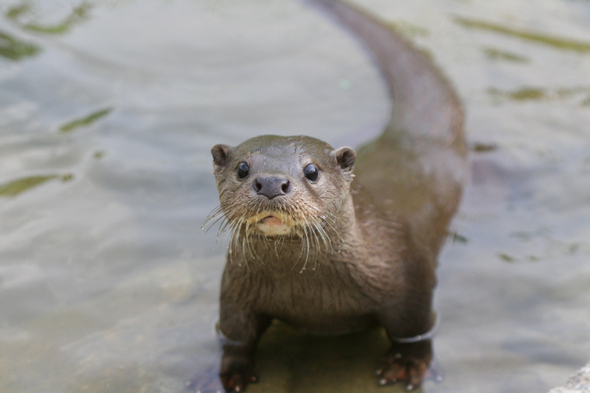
<point>220,153</point>
<point>345,157</point>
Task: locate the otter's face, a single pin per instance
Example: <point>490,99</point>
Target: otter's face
<point>278,186</point>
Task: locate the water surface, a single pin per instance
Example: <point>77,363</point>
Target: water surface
<point>107,114</point>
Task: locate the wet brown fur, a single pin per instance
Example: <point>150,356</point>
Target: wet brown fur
<point>357,255</point>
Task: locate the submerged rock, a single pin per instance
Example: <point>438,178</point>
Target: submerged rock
<point>577,383</point>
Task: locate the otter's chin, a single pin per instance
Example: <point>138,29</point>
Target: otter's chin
<point>273,226</point>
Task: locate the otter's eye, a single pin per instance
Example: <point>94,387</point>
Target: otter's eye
<point>311,172</point>
<point>243,170</point>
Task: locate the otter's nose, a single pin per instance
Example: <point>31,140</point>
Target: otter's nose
<point>271,186</point>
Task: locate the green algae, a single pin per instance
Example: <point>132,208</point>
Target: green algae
<point>409,30</point>
<point>85,121</point>
<point>456,237</point>
<point>498,54</point>
<point>522,94</point>
<point>17,11</point>
<point>14,49</point>
<point>506,258</point>
<point>77,15</point>
<point>19,186</point>
<point>480,147</point>
<point>545,39</point>
<point>529,93</point>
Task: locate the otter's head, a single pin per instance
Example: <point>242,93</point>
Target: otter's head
<point>282,186</point>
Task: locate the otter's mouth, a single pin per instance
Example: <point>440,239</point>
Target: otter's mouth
<point>271,221</point>
<point>273,224</point>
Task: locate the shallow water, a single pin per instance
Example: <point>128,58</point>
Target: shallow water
<point>107,115</point>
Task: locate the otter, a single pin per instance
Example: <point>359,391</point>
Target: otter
<point>332,241</point>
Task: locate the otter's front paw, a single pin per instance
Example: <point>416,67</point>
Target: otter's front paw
<point>237,377</point>
<point>397,368</point>
<point>406,362</point>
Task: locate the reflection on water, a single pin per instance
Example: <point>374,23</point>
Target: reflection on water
<point>106,283</point>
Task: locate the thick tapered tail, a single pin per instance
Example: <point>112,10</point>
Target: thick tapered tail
<point>423,101</point>
<point>417,167</point>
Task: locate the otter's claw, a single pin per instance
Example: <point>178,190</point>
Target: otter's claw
<point>237,380</point>
<point>399,368</point>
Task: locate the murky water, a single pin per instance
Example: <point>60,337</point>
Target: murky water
<point>107,114</point>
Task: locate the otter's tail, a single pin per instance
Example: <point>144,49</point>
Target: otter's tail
<point>417,167</point>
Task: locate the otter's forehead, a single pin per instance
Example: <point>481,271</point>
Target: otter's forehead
<point>285,148</point>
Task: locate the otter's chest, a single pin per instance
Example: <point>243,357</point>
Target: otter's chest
<point>327,299</point>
